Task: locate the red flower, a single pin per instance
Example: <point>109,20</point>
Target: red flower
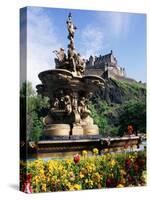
<point>76,158</point>
<point>128,163</point>
<point>129,179</point>
<point>130,129</point>
<point>126,146</point>
<point>136,167</point>
<point>110,182</point>
<point>29,176</point>
<point>140,162</point>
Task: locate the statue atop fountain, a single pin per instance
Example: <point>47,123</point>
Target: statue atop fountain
<point>68,91</point>
<point>72,61</point>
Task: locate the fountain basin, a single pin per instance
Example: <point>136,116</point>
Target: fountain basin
<point>64,79</point>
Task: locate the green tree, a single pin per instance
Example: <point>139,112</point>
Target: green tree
<point>31,106</point>
<point>133,113</point>
<point>99,118</point>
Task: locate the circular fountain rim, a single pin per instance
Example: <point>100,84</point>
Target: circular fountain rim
<point>55,70</point>
<point>94,76</point>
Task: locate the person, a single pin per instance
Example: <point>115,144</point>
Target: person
<point>71,27</point>
<point>71,57</point>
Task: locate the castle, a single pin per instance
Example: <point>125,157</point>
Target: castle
<point>105,66</point>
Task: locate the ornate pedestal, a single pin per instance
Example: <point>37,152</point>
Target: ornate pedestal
<point>90,130</point>
<point>57,130</point>
<point>77,130</point>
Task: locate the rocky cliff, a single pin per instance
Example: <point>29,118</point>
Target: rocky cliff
<point>120,91</point>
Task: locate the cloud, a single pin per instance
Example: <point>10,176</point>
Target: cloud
<point>118,23</point>
<point>106,27</point>
<point>91,40</point>
<point>41,41</point>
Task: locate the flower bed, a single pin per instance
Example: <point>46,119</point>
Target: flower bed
<point>83,172</point>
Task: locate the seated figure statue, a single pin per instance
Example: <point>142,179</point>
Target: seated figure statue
<point>71,58</point>
<point>82,108</point>
<point>80,65</point>
<point>61,57</point>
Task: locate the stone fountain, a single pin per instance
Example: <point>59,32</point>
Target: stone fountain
<point>68,91</point>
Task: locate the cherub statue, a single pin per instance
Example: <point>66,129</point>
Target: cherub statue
<point>67,102</point>
<point>82,107</point>
<point>55,105</point>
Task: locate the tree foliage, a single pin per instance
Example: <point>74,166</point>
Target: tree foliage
<point>31,111</point>
<point>98,116</point>
<point>133,113</point>
<point>113,120</point>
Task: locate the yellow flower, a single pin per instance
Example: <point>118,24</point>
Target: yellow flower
<point>84,153</point>
<point>68,184</point>
<point>71,176</point>
<point>77,187</point>
<point>112,163</point>
<point>122,172</point>
<point>96,177</point>
<point>84,171</point>
<point>81,175</point>
<point>36,178</point>
<point>95,151</point>
<point>106,150</point>
<point>144,176</point>
<point>90,182</point>
<point>122,181</point>
<point>120,186</point>
<point>86,180</point>
<point>68,162</point>
<point>44,187</point>
<point>41,171</point>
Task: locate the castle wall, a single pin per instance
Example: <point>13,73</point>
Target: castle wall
<point>117,71</point>
<point>115,76</point>
<point>93,71</point>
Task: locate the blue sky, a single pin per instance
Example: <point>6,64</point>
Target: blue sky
<point>98,32</point>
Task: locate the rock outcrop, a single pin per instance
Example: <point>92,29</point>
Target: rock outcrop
<point>120,91</point>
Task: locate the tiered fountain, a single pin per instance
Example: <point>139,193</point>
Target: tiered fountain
<point>68,90</point>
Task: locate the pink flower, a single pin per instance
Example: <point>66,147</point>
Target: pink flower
<point>27,185</point>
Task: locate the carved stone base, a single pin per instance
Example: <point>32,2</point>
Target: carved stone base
<point>84,137</point>
<point>57,130</point>
<point>90,130</point>
<point>77,130</point>
<point>54,137</point>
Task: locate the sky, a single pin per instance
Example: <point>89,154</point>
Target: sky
<point>98,32</point>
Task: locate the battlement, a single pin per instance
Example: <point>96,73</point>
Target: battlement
<point>102,64</point>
